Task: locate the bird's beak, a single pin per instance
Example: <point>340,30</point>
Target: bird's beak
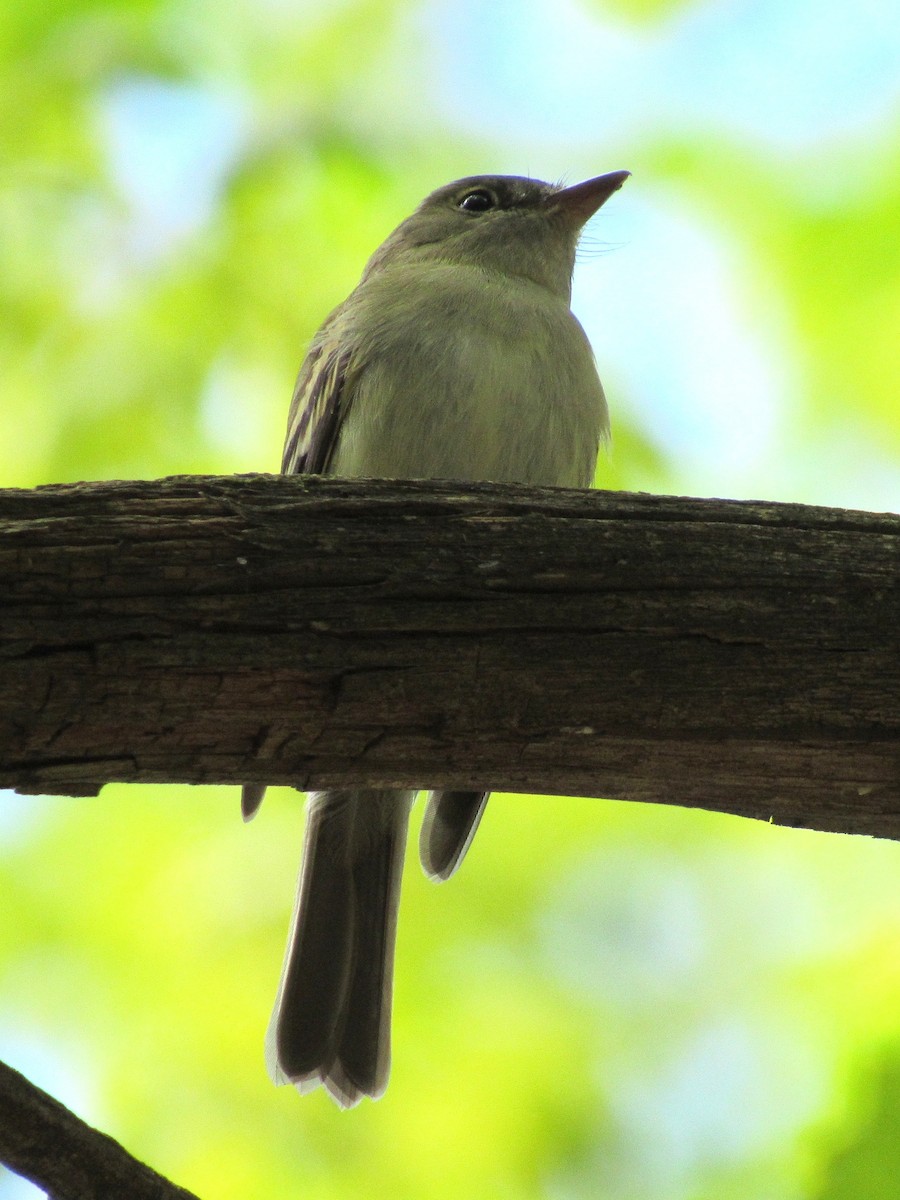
<point>580,202</point>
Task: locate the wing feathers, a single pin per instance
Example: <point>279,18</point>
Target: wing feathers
<point>451,820</point>
<point>318,409</point>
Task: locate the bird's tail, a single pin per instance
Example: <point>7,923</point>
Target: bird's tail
<point>332,1016</point>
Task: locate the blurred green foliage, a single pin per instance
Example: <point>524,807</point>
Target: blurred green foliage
<point>610,1000</point>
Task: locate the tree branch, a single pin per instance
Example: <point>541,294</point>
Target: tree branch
<point>43,1141</point>
<point>729,655</point>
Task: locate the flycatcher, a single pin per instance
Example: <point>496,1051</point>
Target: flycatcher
<point>456,357</point>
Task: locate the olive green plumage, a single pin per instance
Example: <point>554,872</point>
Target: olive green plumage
<point>456,357</point>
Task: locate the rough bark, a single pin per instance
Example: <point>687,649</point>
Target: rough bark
<point>44,1142</point>
<point>729,655</point>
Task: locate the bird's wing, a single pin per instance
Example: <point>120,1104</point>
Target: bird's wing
<point>318,407</point>
<point>451,819</point>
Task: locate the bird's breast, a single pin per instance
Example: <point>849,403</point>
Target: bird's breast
<point>471,377</point>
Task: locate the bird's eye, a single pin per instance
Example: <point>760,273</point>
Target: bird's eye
<point>477,201</point>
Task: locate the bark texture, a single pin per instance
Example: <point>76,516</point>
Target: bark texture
<point>69,1160</point>
<point>729,655</point>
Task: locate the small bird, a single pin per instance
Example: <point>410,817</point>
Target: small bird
<point>457,356</point>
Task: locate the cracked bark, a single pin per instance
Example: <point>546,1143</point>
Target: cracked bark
<point>729,655</point>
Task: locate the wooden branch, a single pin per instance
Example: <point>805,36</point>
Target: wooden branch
<point>43,1141</point>
<point>735,656</point>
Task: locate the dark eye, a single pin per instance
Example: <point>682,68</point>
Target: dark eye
<point>477,201</point>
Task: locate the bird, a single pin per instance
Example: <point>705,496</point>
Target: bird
<point>457,356</point>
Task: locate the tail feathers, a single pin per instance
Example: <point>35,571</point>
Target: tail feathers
<point>451,820</point>
<point>320,951</point>
<point>331,1023</point>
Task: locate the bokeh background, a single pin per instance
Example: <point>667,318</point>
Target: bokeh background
<point>610,1000</point>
